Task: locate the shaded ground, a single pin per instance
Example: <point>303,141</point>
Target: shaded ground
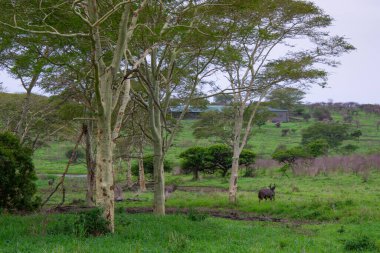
<point>218,213</point>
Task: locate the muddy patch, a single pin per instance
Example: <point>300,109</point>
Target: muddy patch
<point>226,214</point>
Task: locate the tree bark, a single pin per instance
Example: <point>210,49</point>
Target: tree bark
<point>90,162</point>
<point>159,182</point>
<point>104,172</point>
<point>239,117</point>
<point>195,174</point>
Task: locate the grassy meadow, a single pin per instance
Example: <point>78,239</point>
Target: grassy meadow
<point>333,211</point>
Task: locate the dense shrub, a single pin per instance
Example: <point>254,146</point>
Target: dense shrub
<point>148,166</point>
<point>317,148</point>
<point>91,223</point>
<point>17,174</point>
<point>333,133</point>
<point>360,243</point>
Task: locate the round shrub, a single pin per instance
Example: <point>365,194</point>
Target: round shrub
<point>17,174</point>
<point>148,166</point>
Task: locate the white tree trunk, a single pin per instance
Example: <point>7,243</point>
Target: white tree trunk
<point>104,172</point>
<point>232,192</point>
<point>90,162</point>
<point>159,181</point>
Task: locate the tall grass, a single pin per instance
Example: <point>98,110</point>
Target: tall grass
<point>358,164</point>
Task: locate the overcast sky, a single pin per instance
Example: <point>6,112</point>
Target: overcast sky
<point>356,79</point>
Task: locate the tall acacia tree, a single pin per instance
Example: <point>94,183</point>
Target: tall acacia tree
<point>253,68</point>
<point>94,22</point>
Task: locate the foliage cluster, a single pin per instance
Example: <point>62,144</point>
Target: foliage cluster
<point>17,174</point>
<point>91,223</point>
<point>213,158</point>
<point>333,133</point>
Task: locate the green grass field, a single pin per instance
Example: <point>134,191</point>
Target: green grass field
<point>326,213</point>
<point>264,140</point>
<point>329,212</point>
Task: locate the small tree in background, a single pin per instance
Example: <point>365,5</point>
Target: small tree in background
<point>219,158</point>
<point>286,98</point>
<point>194,160</point>
<point>17,174</point>
<point>288,157</point>
<point>333,133</point>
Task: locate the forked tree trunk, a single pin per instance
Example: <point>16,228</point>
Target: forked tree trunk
<point>239,142</point>
<point>90,162</point>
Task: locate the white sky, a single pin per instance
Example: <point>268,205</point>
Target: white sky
<point>356,79</point>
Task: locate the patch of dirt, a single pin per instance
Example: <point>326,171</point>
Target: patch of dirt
<point>230,214</point>
<point>226,214</point>
<point>201,189</point>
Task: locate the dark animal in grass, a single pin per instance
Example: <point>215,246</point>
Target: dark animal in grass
<point>169,189</point>
<point>267,193</point>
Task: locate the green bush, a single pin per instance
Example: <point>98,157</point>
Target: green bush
<point>148,166</point>
<point>333,133</point>
<point>317,148</point>
<point>360,243</point>
<point>17,174</point>
<point>91,223</point>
